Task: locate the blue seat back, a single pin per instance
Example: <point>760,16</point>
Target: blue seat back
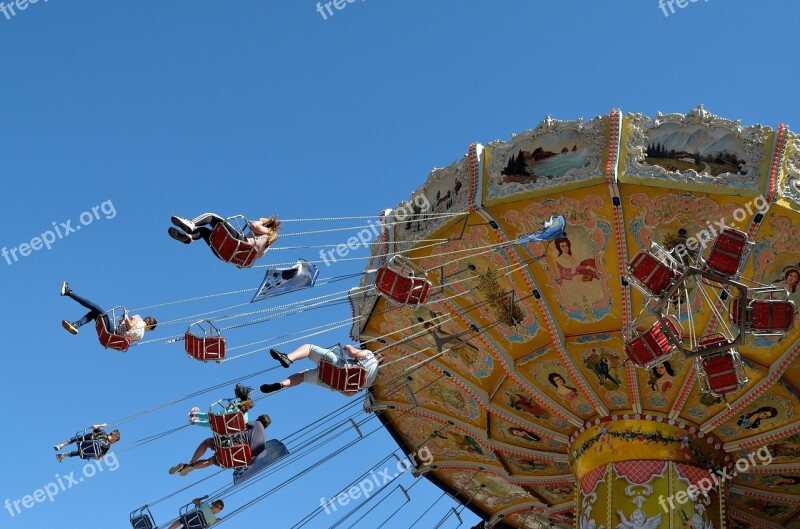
<point>90,449</point>
<point>194,520</point>
<point>273,451</point>
<point>142,521</point>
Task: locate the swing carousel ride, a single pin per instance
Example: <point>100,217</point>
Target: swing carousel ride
<point>591,325</point>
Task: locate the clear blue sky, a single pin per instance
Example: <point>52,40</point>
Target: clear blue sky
<point>261,107</point>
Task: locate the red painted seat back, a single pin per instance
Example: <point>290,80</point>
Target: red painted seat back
<point>650,273</point>
<point>233,456</point>
<point>227,423</point>
<point>350,377</point>
<point>205,348</point>
<point>652,346</point>
<point>766,315</point>
<point>727,252</point>
<point>721,373</point>
<point>108,340</point>
<point>402,289</point>
<point>230,249</point>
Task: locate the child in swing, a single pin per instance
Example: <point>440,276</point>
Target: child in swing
<point>243,404</point>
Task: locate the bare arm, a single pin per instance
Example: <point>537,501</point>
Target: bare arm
<point>198,501</point>
<point>356,353</point>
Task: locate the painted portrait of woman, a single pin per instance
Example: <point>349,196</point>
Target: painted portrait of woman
<point>752,420</point>
<point>524,434</point>
<point>563,391</point>
<point>791,282</point>
<point>662,377</point>
<point>578,277</point>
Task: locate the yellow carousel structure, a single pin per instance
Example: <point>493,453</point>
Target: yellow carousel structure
<point>591,325</point>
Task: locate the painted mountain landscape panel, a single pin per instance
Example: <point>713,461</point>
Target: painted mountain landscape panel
<point>699,148</point>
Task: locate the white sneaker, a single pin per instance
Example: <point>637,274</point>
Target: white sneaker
<point>65,289</point>
<point>186,225</point>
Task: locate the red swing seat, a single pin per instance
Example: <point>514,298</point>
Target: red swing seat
<point>231,249</point>
<point>398,280</point>
<point>346,378</point>
<point>650,274</point>
<point>728,253</point>
<point>719,373</point>
<point>107,339</point>
<point>235,456</point>
<point>209,346</point>
<point>227,423</point>
<point>653,346</point>
<point>765,316</point>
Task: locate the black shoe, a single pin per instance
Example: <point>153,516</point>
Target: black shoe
<point>280,357</point>
<point>271,388</point>
<point>179,236</point>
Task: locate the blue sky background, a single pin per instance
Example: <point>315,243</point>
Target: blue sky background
<point>261,107</point>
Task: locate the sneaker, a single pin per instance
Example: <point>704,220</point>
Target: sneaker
<point>186,469</point>
<point>65,290</point>
<point>60,457</point>
<point>59,447</point>
<point>193,411</point>
<point>179,236</point>
<point>185,225</point>
<point>177,468</point>
<point>271,388</point>
<point>69,326</point>
<point>194,420</point>
<point>280,357</point>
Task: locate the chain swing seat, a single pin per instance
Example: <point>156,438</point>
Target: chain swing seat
<point>89,448</point>
<point>652,271</point>
<point>209,346</point>
<point>142,519</point>
<point>230,448</point>
<point>728,253</point>
<point>230,248</point>
<point>403,282</point>
<point>344,375</point>
<point>721,373</point>
<point>652,346</point>
<point>765,317</point>
<point>107,339</point>
<point>192,517</point>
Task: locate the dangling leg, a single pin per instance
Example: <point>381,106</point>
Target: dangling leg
<point>95,310</point>
<point>294,380</point>
<point>304,351</point>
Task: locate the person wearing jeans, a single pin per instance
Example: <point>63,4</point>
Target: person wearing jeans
<point>97,434</point>
<point>130,327</point>
<point>262,234</point>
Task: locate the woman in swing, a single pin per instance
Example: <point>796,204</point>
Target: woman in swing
<point>262,233</point>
